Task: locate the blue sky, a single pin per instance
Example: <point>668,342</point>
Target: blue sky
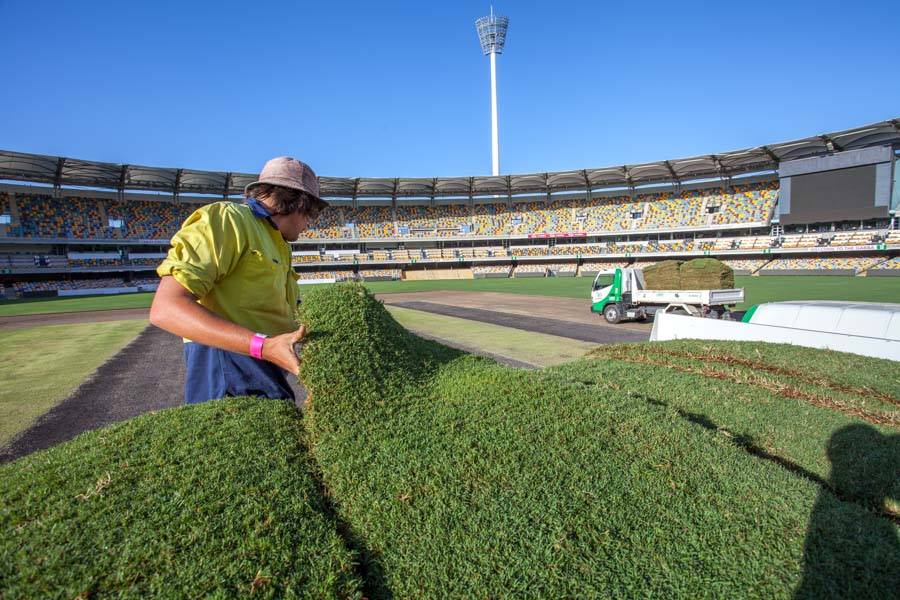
<point>385,89</point>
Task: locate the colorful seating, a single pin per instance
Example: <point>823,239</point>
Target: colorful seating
<point>380,273</point>
<point>852,238</point>
<point>542,268</point>
<point>83,217</point>
<point>491,269</point>
<point>856,263</point>
<point>339,275</point>
<point>893,263</point>
<point>746,264</point>
<point>528,250</point>
<point>77,284</point>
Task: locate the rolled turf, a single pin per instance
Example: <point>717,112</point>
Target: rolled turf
<point>466,478</point>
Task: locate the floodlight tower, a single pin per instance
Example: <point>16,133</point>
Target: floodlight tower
<point>492,35</point>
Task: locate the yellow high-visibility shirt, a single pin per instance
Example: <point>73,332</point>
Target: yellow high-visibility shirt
<point>237,265</point>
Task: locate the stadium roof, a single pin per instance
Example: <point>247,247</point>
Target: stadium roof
<point>61,171</point>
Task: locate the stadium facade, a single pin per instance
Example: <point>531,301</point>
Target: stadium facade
<point>71,226</point>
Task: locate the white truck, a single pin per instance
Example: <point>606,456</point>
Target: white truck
<point>625,297</point>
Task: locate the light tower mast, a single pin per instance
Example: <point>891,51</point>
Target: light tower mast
<point>492,36</point>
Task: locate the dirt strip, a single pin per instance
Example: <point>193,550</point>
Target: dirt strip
<point>146,375</point>
<point>595,333</point>
<point>88,316</point>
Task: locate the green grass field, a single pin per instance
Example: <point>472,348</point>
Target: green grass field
<point>534,348</point>
<point>673,470</point>
<point>758,289</point>
<point>41,306</point>
<point>39,366</point>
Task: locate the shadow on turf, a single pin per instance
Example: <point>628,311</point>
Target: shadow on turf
<point>855,488</point>
<point>368,562</point>
<point>865,465</point>
<point>829,567</point>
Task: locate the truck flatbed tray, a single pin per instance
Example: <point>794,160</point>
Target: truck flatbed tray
<point>703,297</point>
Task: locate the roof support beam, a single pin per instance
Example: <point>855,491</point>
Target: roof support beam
<point>723,173</point>
<point>628,180</point>
<point>831,144</point>
<point>587,185</point>
<point>176,187</point>
<point>123,179</point>
<point>674,175</point>
<point>229,179</point>
<point>394,193</point>
<point>57,177</point>
<point>771,155</point>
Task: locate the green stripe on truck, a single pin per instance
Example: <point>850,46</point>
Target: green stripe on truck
<point>749,314</point>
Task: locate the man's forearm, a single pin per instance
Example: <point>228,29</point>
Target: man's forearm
<point>176,310</point>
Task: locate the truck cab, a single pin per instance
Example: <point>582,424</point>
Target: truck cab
<point>612,291</point>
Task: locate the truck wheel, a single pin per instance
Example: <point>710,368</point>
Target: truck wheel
<point>612,314</point>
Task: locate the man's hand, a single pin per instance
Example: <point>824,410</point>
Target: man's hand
<point>279,350</point>
<point>176,310</point>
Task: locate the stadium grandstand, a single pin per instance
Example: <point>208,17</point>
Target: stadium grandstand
<point>72,226</point>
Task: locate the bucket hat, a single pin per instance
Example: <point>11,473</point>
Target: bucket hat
<point>291,173</point>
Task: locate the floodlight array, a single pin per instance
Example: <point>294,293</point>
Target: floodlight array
<point>492,33</point>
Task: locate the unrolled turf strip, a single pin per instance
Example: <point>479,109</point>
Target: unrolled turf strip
<point>471,479</point>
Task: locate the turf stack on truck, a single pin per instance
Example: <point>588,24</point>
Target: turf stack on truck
<point>701,287</point>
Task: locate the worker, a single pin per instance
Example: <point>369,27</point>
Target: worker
<point>227,287</point>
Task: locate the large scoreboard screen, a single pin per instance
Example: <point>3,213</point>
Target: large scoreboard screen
<point>848,186</point>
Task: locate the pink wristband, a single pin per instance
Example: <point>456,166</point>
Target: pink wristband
<point>256,345</point>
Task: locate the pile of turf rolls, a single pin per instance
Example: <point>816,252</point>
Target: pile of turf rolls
<point>706,274</point>
<point>664,275</point>
<point>696,274</point>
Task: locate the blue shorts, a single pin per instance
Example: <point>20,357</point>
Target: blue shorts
<point>213,373</point>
